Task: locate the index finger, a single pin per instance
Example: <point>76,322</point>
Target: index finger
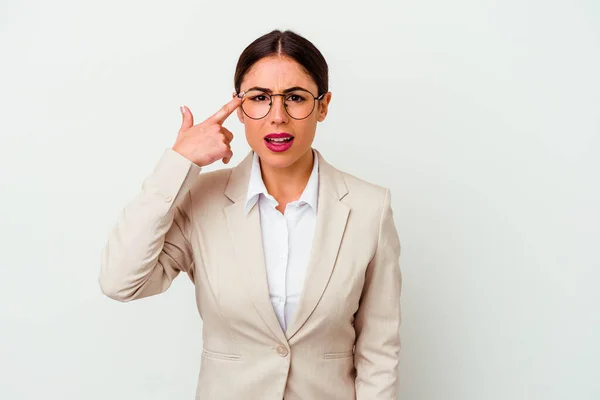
<point>225,111</point>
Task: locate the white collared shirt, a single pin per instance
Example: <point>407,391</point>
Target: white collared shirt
<point>287,239</point>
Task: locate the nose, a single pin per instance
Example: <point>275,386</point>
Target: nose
<point>278,113</point>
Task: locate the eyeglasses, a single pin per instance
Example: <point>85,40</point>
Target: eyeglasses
<point>299,103</point>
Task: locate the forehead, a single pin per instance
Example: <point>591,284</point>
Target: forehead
<point>278,73</point>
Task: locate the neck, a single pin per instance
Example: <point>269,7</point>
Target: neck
<point>288,183</point>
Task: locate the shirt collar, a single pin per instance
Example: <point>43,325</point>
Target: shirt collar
<point>256,186</point>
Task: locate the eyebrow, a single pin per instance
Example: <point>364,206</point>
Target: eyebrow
<point>267,90</point>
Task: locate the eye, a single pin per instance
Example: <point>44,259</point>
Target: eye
<point>296,98</point>
<point>259,97</point>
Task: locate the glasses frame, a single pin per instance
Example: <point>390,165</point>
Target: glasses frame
<point>285,106</point>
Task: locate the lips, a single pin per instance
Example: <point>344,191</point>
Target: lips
<point>279,142</point>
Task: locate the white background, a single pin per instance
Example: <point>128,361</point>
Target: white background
<point>483,117</point>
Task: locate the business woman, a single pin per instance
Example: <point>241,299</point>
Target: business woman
<point>295,263</point>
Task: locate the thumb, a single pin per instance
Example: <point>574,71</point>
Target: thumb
<point>187,118</point>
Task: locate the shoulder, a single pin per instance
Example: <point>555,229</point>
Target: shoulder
<point>212,183</point>
<point>362,186</point>
<point>357,187</point>
<point>369,203</point>
<point>362,192</point>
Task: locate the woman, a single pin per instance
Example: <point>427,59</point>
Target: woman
<point>295,263</point>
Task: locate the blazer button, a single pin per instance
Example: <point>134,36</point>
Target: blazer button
<point>282,351</point>
<point>168,199</point>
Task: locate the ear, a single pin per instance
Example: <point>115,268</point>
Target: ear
<point>324,106</point>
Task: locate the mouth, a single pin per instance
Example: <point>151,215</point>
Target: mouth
<point>279,142</point>
<point>279,138</point>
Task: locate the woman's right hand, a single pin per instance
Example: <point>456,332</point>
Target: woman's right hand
<point>209,140</point>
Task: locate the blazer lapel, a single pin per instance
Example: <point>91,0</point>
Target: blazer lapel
<point>332,216</point>
<point>246,235</point>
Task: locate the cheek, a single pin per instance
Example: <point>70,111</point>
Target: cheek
<point>307,128</point>
<point>254,130</point>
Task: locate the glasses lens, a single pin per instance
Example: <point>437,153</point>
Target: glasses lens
<point>256,104</point>
<point>299,104</point>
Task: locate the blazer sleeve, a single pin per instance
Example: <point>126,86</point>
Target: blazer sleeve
<point>149,245</point>
<point>377,321</point>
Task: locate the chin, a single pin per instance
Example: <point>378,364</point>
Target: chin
<point>278,160</point>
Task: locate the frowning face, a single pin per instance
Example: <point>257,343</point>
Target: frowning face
<point>280,139</point>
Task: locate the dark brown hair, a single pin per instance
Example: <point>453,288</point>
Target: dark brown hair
<point>288,44</point>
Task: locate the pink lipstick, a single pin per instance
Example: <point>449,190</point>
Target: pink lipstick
<point>279,142</point>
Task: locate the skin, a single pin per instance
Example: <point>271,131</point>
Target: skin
<point>285,174</point>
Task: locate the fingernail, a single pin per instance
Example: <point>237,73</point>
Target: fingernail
<point>182,109</point>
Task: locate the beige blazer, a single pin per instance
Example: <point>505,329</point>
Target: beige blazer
<point>343,342</point>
